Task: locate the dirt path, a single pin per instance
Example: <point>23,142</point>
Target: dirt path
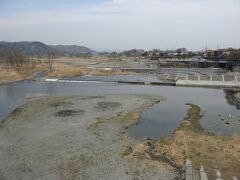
<point>75,138</point>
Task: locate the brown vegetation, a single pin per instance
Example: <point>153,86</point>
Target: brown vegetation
<point>10,73</point>
<point>16,65</point>
<point>63,70</point>
<point>190,141</point>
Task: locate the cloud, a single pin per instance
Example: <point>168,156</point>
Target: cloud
<point>157,9</point>
<point>130,23</point>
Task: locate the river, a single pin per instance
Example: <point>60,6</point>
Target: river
<point>157,121</point>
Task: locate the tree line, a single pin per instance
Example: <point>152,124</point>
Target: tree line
<point>14,58</point>
<point>234,56</point>
<point>18,59</point>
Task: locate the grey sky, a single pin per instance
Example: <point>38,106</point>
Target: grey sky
<point>123,24</point>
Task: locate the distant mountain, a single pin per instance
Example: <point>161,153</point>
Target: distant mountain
<point>39,48</point>
<point>30,48</point>
<point>73,50</point>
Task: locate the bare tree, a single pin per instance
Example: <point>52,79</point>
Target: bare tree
<point>234,59</point>
<point>20,58</point>
<point>2,56</point>
<point>14,58</point>
<point>50,57</point>
<point>235,56</point>
<point>8,56</point>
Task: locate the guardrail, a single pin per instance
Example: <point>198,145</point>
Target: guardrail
<point>203,80</point>
<point>222,78</point>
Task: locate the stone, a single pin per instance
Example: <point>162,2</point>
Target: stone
<point>226,121</point>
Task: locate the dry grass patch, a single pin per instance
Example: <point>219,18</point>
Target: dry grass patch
<point>102,71</point>
<point>9,74</point>
<point>63,70</point>
<point>211,151</point>
<point>192,142</point>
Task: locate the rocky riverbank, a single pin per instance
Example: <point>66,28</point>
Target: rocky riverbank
<point>76,138</point>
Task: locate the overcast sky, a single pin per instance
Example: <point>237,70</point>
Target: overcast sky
<point>123,24</point>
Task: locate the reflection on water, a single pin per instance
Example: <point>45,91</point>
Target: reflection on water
<point>157,121</point>
<point>230,95</point>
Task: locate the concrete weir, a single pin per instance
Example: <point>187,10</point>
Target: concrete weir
<point>165,83</point>
<point>170,82</point>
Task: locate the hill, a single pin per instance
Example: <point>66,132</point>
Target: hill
<point>38,48</point>
<point>72,50</point>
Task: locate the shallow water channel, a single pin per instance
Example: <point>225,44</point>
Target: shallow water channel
<point>157,121</point>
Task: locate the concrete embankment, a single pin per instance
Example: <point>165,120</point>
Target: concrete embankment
<point>208,83</point>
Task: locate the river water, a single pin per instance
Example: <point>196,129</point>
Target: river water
<point>157,121</point>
